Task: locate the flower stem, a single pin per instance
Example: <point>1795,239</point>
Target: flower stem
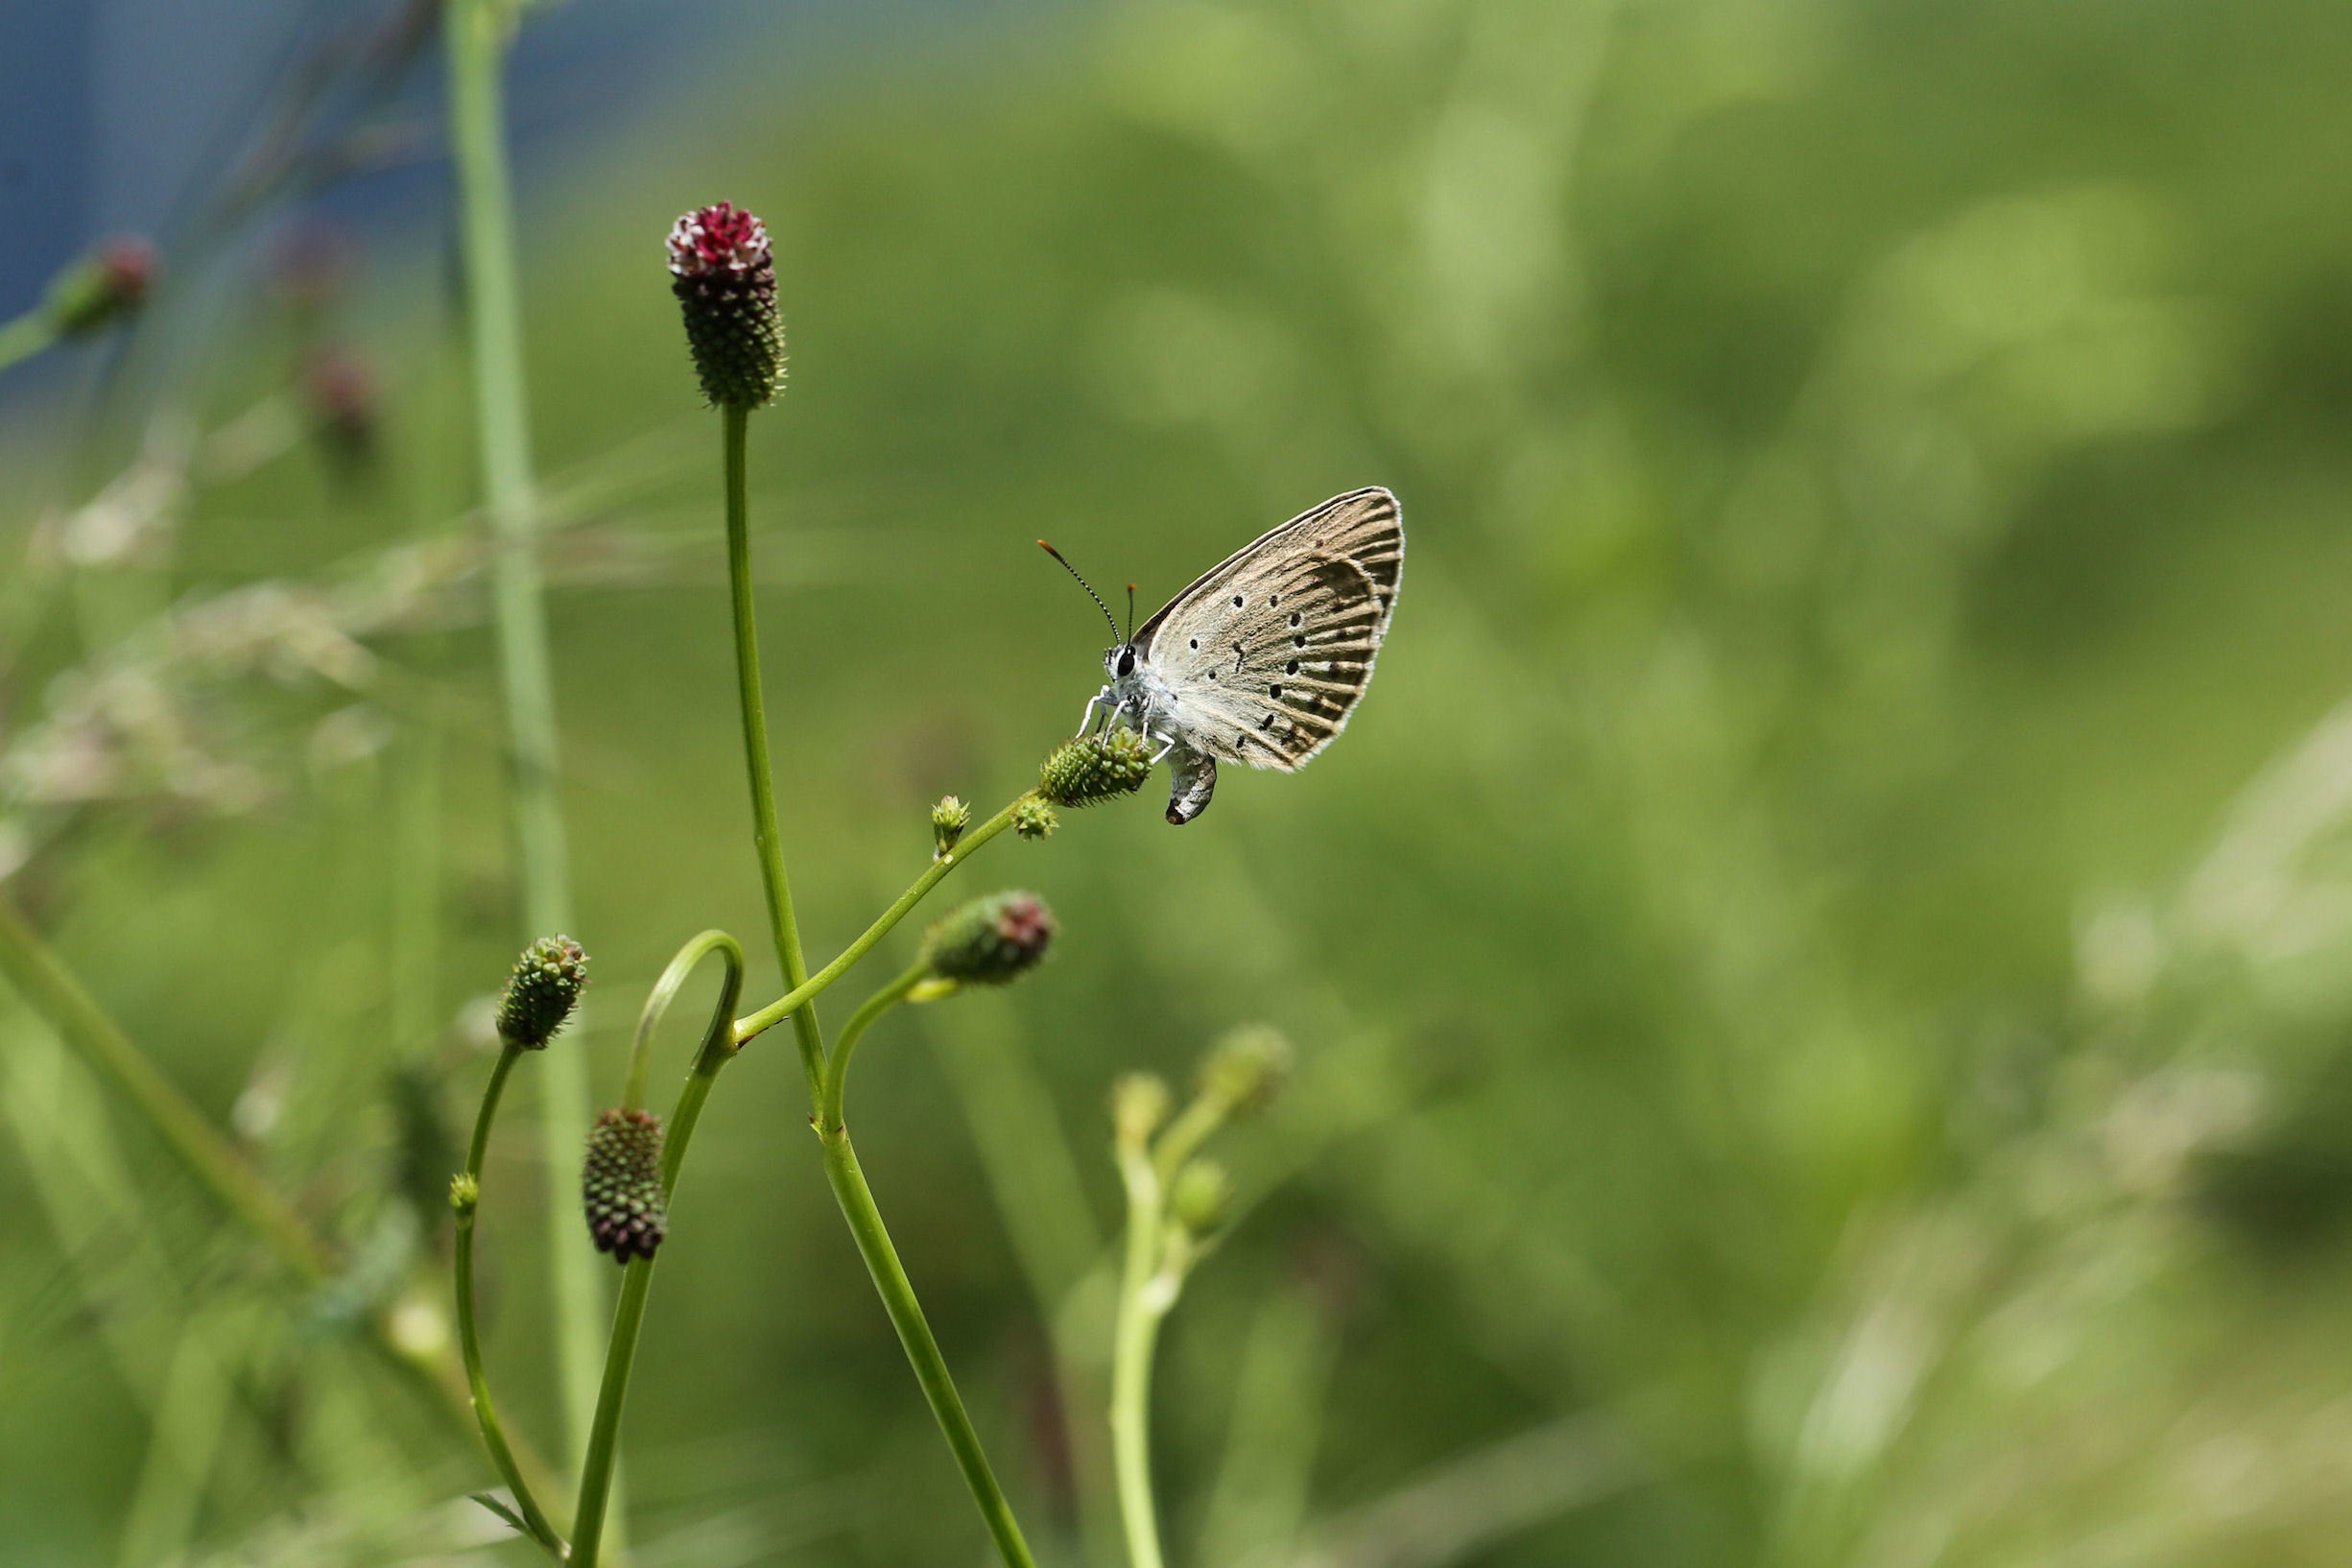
<point>840,1161</point>
<point>734,418</point>
<point>837,1066</point>
<point>718,1049</point>
<point>773,1012</point>
<point>857,1202</point>
<point>1140,1311</point>
<point>469,1342</point>
<point>474,34</point>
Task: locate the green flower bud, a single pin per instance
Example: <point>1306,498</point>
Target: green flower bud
<point>1138,1105</point>
<point>1201,1197</point>
<point>542,992</point>
<point>1033,819</point>
<point>464,1193</point>
<point>948,820</point>
<point>1092,768</point>
<point>1244,1069</point>
<point>620,1186</point>
<point>724,274</point>
<point>991,941</point>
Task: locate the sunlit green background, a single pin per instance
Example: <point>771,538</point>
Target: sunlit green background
<point>1821,967</point>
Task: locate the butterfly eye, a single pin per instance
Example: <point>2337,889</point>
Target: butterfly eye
<point>1126,661</point>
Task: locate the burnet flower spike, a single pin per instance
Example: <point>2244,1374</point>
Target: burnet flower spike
<point>724,274</point>
<point>991,941</point>
<point>542,990</point>
<point>1096,768</point>
<point>620,1185</point>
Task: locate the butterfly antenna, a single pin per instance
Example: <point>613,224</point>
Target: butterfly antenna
<point>1131,612</point>
<point>1084,583</point>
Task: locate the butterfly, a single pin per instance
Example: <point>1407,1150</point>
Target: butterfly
<point>1264,657</point>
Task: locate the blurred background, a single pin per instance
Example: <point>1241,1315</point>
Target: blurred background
<point>1819,968</point>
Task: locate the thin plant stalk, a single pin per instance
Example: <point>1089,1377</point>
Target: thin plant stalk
<point>767,837</point>
<point>1144,1295</point>
<point>906,1312</point>
<point>475,36</point>
<point>469,1341</point>
<point>718,1047</point>
<point>783,1006</point>
<point>840,1162</point>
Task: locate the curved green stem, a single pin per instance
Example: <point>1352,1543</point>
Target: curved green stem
<point>470,1339</point>
<point>776,1012</point>
<point>665,992</point>
<point>734,418</point>
<point>873,1239</point>
<point>719,1047</point>
<point>1137,1334</point>
<point>837,1067</point>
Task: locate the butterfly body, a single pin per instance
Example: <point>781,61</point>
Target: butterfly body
<point>1262,659</point>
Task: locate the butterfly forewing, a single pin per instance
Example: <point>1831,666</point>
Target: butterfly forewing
<point>1266,654</point>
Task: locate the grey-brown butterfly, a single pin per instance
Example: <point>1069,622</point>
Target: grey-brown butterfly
<point>1263,659</point>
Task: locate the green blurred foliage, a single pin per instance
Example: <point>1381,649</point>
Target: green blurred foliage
<point>1820,967</point>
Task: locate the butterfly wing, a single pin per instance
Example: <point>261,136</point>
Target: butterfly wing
<point>1265,656</point>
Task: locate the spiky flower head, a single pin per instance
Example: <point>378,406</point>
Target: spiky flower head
<point>1092,768</point>
<point>1138,1105</point>
<point>620,1186</point>
<point>948,820</point>
<point>465,1192</point>
<point>542,992</point>
<point>1243,1070</point>
<point>724,274</point>
<point>991,941</point>
<point>113,281</point>
<point>1033,819</point>
<point>1201,1197</point>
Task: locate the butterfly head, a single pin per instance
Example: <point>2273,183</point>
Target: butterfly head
<point>1118,660</point>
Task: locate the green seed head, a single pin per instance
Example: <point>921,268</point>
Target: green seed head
<point>464,1193</point>
<point>1201,1197</point>
<point>542,992</point>
<point>1096,768</point>
<point>1243,1070</point>
<point>1138,1105</point>
<point>948,820</point>
<point>991,941</point>
<point>1033,819</point>
<point>620,1185</point>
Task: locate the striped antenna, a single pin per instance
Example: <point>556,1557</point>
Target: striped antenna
<point>1084,583</point>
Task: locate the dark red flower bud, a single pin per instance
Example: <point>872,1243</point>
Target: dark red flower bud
<point>724,274</point>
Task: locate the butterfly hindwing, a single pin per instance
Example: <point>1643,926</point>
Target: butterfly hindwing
<point>1265,656</point>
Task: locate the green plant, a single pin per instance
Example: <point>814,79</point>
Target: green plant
<point>723,278</point>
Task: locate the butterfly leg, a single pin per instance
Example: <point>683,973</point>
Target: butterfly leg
<point>1086,721</point>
